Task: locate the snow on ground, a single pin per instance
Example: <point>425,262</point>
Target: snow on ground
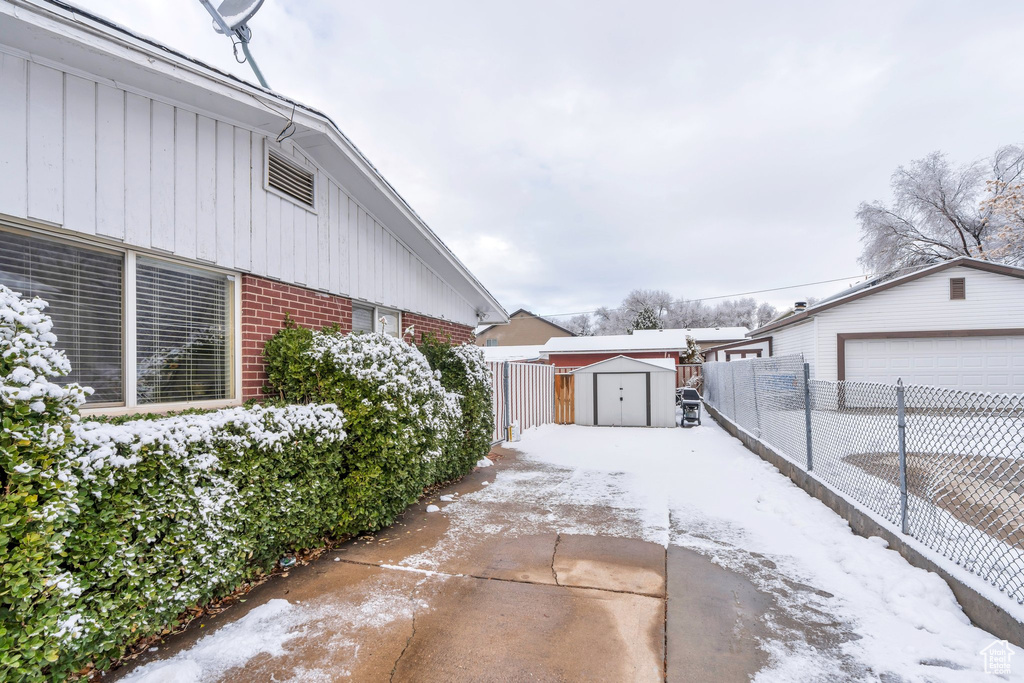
<point>276,627</point>
<point>722,498</point>
<point>843,607</point>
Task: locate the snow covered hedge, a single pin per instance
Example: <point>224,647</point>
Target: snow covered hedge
<point>414,418</point>
<point>110,529</point>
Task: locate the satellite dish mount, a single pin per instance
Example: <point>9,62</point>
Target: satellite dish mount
<point>231,19</point>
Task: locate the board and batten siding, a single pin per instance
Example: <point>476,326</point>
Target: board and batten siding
<point>90,158</point>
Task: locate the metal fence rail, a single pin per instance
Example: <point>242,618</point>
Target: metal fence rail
<point>944,466</point>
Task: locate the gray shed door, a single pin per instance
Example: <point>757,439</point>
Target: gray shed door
<point>622,399</point>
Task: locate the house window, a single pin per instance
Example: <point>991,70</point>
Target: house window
<point>85,294</point>
<point>138,330</point>
<point>183,327</point>
<point>388,322</point>
<point>362,319</point>
<point>373,319</point>
<point>491,342</point>
<point>957,288</point>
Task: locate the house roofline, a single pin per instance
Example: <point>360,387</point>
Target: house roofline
<point>81,18</point>
<point>964,261</point>
<point>743,342</point>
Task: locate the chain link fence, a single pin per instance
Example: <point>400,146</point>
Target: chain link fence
<point>944,466</point>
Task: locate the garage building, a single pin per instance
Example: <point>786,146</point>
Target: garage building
<point>626,392</point>
<point>958,324</point>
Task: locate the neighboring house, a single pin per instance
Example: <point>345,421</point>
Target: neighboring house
<point>523,329</point>
<point>957,324</point>
<point>172,214</point>
<point>751,348</point>
<point>581,351</point>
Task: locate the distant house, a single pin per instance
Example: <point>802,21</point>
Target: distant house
<point>581,351</point>
<point>748,348</point>
<point>523,329</point>
<point>172,214</point>
<point>957,324</point>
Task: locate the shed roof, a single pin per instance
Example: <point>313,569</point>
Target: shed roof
<point>644,364</point>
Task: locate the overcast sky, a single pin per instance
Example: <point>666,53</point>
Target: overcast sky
<point>569,152</point>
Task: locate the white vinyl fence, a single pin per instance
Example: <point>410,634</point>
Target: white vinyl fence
<point>523,394</point>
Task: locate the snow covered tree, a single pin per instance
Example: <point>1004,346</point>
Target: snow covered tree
<point>1006,217</point>
<point>692,354</point>
<point>940,212</point>
<point>620,320</point>
<point>646,319</point>
<point>581,325</point>
<point>765,314</point>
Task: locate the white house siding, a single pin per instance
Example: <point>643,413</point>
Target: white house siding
<point>796,339</point>
<point>993,302</point>
<point>90,158</point>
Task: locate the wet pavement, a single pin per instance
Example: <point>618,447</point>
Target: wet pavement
<point>507,590</point>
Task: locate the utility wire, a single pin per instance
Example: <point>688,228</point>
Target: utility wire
<point>757,291</point>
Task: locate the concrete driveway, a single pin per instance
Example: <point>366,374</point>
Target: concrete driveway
<point>529,583</point>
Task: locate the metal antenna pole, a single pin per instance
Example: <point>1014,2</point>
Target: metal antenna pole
<point>252,63</point>
<point>242,33</point>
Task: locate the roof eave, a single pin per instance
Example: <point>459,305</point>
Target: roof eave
<point>217,88</point>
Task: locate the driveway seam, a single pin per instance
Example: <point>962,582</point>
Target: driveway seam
<point>504,580</point>
<point>554,572</point>
<point>407,642</point>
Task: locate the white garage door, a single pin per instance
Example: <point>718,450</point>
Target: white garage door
<point>622,399</point>
<point>994,364</point>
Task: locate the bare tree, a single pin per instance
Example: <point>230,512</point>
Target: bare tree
<point>620,320</point>
<point>939,211</point>
<point>1005,214</point>
<point>581,325</point>
<point>682,313</point>
<point>765,314</point>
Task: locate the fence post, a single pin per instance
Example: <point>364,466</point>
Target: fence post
<point>901,426</point>
<point>807,414</point>
<point>507,391</point>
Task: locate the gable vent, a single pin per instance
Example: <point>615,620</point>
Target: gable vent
<point>957,288</point>
<point>290,179</point>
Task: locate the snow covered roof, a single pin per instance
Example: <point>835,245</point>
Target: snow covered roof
<point>643,340</point>
<point>660,363</point>
<point>497,354</point>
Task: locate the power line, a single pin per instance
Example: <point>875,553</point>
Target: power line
<point>757,291</point>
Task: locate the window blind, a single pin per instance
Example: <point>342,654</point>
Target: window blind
<point>84,290</point>
<point>362,319</point>
<point>182,325</point>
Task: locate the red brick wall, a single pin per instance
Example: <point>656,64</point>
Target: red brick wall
<point>442,329</point>
<point>265,303</point>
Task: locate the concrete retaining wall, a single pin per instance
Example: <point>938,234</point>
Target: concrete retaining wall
<point>979,609</point>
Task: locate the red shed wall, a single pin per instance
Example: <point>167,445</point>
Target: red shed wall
<point>265,303</point>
